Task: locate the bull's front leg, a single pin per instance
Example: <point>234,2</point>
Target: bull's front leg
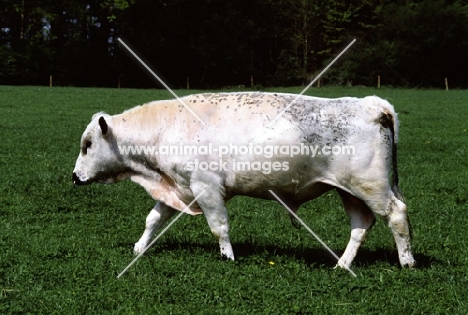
<point>214,209</point>
<point>218,221</point>
<point>154,221</point>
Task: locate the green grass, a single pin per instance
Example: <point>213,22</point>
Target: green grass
<point>62,248</point>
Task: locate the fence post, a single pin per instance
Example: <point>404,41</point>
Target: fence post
<point>50,80</point>
<point>378,81</point>
<point>446,84</point>
<point>188,83</point>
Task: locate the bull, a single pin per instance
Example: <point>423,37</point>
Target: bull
<point>251,143</point>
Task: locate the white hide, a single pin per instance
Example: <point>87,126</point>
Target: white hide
<point>369,125</point>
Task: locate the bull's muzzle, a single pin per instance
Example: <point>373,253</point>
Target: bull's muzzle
<point>76,180</point>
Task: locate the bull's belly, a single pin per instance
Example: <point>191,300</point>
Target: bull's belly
<point>288,189</point>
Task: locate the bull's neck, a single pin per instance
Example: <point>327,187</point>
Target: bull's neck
<point>137,128</point>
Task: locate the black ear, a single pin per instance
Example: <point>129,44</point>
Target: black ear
<point>103,125</point>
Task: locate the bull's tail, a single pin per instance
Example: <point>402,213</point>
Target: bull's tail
<point>388,119</point>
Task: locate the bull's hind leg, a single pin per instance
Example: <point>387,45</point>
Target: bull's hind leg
<point>154,221</point>
<point>394,212</point>
<point>361,219</point>
<point>397,218</point>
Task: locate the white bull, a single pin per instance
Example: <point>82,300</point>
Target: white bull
<point>165,149</point>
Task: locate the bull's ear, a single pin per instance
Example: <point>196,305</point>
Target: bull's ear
<point>103,125</point>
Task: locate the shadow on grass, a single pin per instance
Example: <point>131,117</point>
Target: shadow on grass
<point>321,256</point>
<point>311,256</point>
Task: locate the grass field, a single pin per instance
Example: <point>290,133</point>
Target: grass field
<point>61,248</point>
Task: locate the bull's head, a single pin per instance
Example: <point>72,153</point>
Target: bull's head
<point>99,160</point>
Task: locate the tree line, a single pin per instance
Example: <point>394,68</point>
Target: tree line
<point>219,43</point>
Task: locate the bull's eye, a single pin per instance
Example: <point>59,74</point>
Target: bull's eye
<point>87,146</point>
